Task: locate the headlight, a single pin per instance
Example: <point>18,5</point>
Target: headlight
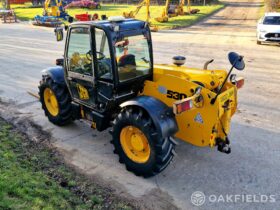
<point>263,31</point>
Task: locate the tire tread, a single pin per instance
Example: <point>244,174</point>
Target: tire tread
<point>163,148</point>
<point>66,112</point>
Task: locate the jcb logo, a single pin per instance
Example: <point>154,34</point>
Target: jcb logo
<point>176,95</point>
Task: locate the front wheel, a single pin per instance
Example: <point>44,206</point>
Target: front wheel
<point>259,42</point>
<point>56,102</point>
<point>138,144</point>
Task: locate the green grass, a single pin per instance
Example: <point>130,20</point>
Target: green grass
<point>24,12</point>
<point>31,177</point>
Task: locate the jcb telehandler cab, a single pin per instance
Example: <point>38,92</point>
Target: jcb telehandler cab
<point>107,76</point>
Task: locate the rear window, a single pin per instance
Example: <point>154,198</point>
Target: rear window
<point>133,57</point>
<point>272,20</point>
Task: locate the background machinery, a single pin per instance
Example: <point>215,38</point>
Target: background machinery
<point>53,14</point>
<point>108,77</point>
<point>89,4</point>
<point>132,14</point>
<point>173,10</point>
<point>6,13</point>
<point>86,17</point>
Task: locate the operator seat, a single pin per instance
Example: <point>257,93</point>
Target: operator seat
<point>127,67</point>
<point>105,68</point>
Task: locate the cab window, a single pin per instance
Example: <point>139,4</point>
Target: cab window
<point>103,55</point>
<point>79,51</point>
<point>133,57</point>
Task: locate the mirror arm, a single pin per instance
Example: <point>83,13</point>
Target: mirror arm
<point>220,89</point>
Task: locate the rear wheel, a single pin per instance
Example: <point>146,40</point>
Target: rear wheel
<point>56,102</point>
<point>138,144</point>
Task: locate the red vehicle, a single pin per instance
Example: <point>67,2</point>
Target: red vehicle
<point>86,17</point>
<point>34,2</point>
<point>19,1</point>
<point>84,4</point>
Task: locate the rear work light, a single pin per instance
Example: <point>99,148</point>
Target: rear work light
<point>188,103</point>
<point>181,106</point>
<point>239,83</point>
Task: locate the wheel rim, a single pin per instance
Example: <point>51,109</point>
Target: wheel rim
<point>135,144</point>
<point>51,102</point>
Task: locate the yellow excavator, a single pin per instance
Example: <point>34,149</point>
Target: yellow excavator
<point>173,10</point>
<point>132,14</point>
<point>53,8</point>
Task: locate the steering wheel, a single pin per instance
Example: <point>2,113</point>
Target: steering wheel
<point>89,54</point>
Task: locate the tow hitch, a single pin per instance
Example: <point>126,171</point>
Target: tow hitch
<point>223,146</point>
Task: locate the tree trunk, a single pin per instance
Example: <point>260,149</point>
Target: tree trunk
<point>8,6</point>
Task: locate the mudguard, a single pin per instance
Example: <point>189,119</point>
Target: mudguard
<point>56,73</point>
<point>161,114</point>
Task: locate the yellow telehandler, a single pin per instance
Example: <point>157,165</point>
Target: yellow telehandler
<point>108,77</point>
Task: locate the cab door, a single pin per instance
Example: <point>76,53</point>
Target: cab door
<point>80,68</point>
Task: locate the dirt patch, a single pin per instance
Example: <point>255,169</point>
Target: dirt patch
<point>157,199</point>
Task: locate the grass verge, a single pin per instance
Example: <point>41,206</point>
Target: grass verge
<point>25,12</point>
<point>33,176</point>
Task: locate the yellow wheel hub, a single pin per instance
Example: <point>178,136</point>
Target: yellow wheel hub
<point>51,102</point>
<point>135,144</point>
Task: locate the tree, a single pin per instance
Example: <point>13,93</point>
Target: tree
<point>7,4</point>
<point>272,5</point>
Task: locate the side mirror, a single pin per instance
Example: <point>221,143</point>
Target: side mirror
<point>236,61</point>
<point>59,62</point>
<point>59,34</point>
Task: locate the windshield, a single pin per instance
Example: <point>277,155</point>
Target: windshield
<point>133,57</point>
<point>272,20</point>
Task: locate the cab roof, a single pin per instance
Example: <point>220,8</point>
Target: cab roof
<point>126,24</point>
<point>272,14</point>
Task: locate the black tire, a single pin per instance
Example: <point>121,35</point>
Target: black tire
<point>162,150</point>
<point>259,42</point>
<point>66,111</point>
